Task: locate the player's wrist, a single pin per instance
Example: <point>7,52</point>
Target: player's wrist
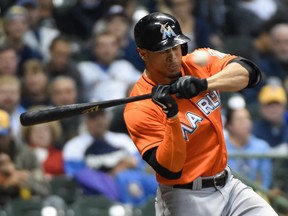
<point>173,111</point>
<point>173,116</point>
<point>202,85</point>
<point>189,86</point>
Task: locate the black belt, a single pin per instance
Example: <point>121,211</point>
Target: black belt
<point>216,181</point>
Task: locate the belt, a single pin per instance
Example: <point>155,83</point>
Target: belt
<point>215,181</point>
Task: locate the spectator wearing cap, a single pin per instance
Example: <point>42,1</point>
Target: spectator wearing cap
<point>107,163</point>
<point>95,152</point>
<point>15,26</point>
<point>39,35</point>
<point>271,125</point>
<point>96,130</point>
<point>21,175</point>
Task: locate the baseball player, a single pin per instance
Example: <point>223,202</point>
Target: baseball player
<point>179,132</point>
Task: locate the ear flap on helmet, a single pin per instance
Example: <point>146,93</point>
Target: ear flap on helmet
<point>184,48</point>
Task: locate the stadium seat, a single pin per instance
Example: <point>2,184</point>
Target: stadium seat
<point>66,188</point>
<point>148,208</point>
<point>92,206</point>
<point>2,212</point>
<point>20,207</point>
<point>57,203</point>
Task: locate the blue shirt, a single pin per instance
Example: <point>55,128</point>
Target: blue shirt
<point>253,169</point>
<point>266,131</point>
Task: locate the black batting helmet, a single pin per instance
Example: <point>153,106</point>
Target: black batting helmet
<point>159,31</point>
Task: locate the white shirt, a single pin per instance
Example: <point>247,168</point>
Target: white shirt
<point>110,84</point>
<point>46,35</point>
<point>75,148</point>
<point>264,9</point>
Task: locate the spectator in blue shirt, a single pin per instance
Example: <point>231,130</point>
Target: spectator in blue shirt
<point>239,139</point>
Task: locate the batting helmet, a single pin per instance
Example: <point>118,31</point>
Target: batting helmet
<point>159,31</point>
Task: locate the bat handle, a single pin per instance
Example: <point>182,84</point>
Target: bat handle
<point>173,89</point>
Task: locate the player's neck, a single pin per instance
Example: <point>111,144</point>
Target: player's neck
<point>157,78</point>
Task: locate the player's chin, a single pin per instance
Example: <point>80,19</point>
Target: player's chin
<point>173,76</point>
<point>174,67</point>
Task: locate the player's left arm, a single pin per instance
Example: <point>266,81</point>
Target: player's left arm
<point>240,73</point>
<point>224,72</point>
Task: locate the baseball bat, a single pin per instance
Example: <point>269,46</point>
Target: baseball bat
<point>59,112</point>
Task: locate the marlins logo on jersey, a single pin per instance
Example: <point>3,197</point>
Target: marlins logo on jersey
<point>167,31</point>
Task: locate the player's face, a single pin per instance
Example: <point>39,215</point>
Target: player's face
<point>163,67</point>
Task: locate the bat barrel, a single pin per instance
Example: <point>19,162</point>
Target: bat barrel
<point>61,112</point>
<point>49,114</point>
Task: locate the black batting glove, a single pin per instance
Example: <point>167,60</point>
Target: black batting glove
<point>188,87</point>
<point>161,96</point>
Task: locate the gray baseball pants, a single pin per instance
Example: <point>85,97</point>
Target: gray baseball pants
<point>234,199</point>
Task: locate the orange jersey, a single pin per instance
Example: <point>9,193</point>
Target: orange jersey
<point>199,119</point>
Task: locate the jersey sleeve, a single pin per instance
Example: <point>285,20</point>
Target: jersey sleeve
<point>139,122</point>
<point>216,61</point>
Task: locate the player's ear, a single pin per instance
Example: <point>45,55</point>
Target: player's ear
<point>142,53</point>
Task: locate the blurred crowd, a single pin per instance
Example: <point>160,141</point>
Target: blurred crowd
<point>55,53</point>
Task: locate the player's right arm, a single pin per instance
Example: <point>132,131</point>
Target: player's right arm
<point>158,137</point>
<point>168,158</point>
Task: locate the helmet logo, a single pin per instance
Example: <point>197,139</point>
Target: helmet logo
<point>166,31</point>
